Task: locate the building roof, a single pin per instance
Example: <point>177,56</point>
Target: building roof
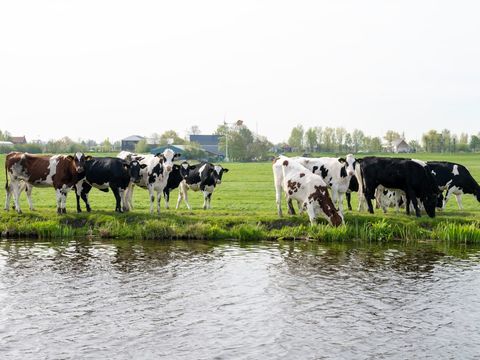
<point>133,138</point>
<point>6,143</point>
<point>206,139</point>
<point>397,142</point>
<point>18,139</point>
<point>213,149</point>
<point>176,148</point>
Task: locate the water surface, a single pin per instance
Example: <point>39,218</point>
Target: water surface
<point>204,300</point>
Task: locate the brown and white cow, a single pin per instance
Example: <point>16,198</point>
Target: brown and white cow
<point>308,189</point>
<point>60,171</point>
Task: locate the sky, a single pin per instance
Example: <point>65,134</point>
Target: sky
<point>98,69</point>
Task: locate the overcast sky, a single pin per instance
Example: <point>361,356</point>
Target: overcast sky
<point>97,69</point>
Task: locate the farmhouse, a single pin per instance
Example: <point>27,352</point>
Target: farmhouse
<point>129,143</point>
<point>210,144</point>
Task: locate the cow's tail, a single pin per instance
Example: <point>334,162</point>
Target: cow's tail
<point>361,185</point>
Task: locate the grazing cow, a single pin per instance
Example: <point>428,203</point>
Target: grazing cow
<point>336,172</point>
<point>154,176</point>
<point>411,176</point>
<point>308,189</point>
<point>204,177</point>
<point>27,170</point>
<point>104,173</point>
<point>455,179</point>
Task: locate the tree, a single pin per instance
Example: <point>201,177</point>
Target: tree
<point>319,131</point>
<point>358,138</point>
<point>142,147</point>
<point>106,145</point>
<point>415,145</point>
<point>296,137</point>
<point>171,137</point>
<point>432,141</point>
<point>329,139</point>
<point>474,143</point>
<point>340,133</point>
<point>390,136</point>
<point>242,144</point>
<point>194,130</point>
<point>311,139</point>
<point>348,142</point>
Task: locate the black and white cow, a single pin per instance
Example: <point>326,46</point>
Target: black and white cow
<point>352,187</point>
<point>414,177</point>
<point>177,175</point>
<point>455,179</point>
<point>153,177</point>
<point>104,173</point>
<point>204,177</point>
<point>336,172</point>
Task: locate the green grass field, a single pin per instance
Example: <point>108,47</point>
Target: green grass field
<point>243,206</point>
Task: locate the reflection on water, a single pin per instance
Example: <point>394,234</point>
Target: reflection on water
<point>203,300</point>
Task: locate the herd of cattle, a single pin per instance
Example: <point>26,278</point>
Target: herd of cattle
<point>317,184</point>
<point>390,181</point>
<point>156,173</point>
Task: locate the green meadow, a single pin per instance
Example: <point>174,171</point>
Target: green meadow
<point>243,207</point>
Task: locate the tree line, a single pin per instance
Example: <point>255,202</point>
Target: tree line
<point>339,140</point>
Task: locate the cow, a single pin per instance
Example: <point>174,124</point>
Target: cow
<point>455,179</point>
<point>336,172</point>
<point>204,177</point>
<point>154,176</point>
<point>177,175</point>
<point>386,198</point>
<point>308,189</point>
<point>27,171</point>
<point>411,176</point>
<point>104,173</point>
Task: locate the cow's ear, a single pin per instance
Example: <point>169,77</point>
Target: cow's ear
<point>359,160</point>
<point>177,155</point>
<point>88,157</point>
<point>143,166</point>
<point>158,154</point>
<point>342,160</point>
<point>70,157</point>
<point>225,170</point>
<point>140,158</point>
<point>191,167</point>
<point>315,168</point>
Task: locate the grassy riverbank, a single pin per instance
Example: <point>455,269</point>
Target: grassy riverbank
<point>243,208</point>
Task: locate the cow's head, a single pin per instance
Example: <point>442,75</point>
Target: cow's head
<point>134,169</point>
<point>323,204</point>
<point>78,161</point>
<point>217,172</point>
<point>349,164</point>
<point>167,157</point>
<point>429,202</point>
<point>185,168</point>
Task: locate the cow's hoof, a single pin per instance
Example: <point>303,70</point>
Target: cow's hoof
<point>79,211</point>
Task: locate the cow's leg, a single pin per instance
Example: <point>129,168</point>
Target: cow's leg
<point>340,202</point>
<point>185,196</point>
<point>78,192</point>
<point>291,210</point>
<point>159,199</point>
<point>118,199</point>
<point>151,196</point>
<point>166,197</point>
<point>311,214</point>
<point>459,201</point>
<point>64,193</point>
<point>28,191</point>
<point>369,195</point>
<point>123,199</point>
<point>278,199</point>
<point>348,195</point>
<point>8,195</point>
<point>15,189</point>
<point>205,199</point>
<point>412,199</point>
<point>129,196</point>
<point>58,194</point>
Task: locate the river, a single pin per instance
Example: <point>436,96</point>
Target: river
<point>236,300</point>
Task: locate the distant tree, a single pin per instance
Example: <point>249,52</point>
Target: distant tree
<point>358,138</point>
<point>296,137</point>
<point>329,139</point>
<point>142,147</point>
<point>415,145</point>
<point>432,141</point>
<point>171,136</point>
<point>319,131</point>
<point>194,130</point>
<point>311,141</point>
<point>348,142</point>
<point>474,143</point>
<point>463,139</point>
<point>340,133</point>
<point>106,145</point>
<point>390,136</point>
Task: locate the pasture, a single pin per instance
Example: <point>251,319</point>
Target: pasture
<point>243,207</point>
